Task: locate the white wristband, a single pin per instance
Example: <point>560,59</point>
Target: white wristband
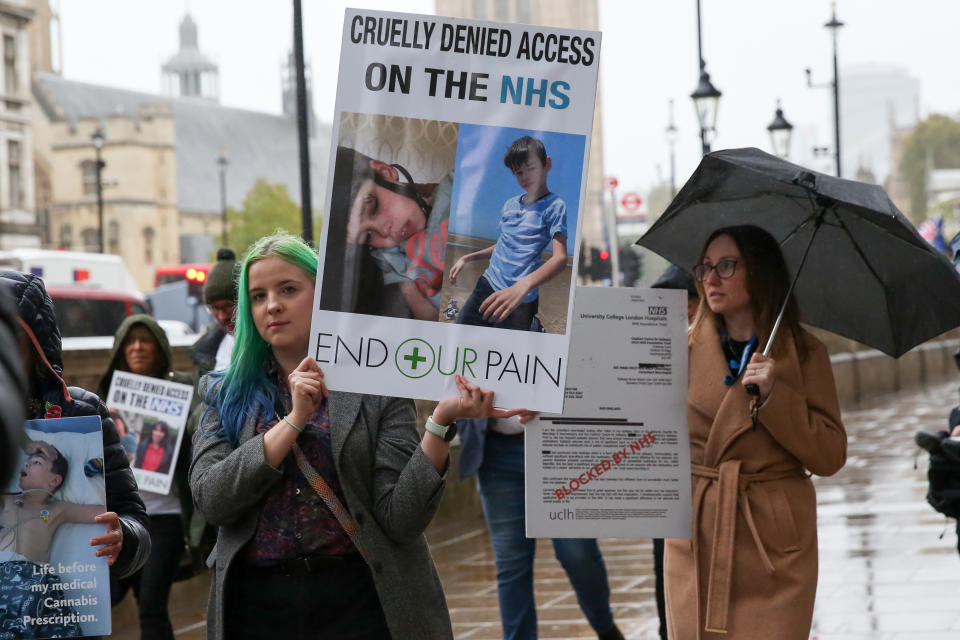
<point>295,427</point>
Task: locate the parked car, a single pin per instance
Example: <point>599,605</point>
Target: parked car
<point>88,311</point>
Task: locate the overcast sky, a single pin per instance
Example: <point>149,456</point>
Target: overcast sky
<point>756,52</point>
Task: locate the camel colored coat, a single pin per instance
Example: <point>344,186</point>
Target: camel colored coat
<point>749,569</point>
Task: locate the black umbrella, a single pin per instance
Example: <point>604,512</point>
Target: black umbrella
<point>859,267</point>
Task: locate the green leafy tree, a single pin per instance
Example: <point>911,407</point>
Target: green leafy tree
<point>933,144</point>
<point>267,208</point>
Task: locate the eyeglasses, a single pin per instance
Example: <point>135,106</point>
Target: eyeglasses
<point>223,308</point>
<point>724,268</point>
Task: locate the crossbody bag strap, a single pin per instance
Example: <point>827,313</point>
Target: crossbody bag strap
<point>329,498</point>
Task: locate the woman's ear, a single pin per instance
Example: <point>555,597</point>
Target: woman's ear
<point>387,171</point>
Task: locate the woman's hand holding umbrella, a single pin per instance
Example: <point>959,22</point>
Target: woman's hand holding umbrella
<point>760,372</point>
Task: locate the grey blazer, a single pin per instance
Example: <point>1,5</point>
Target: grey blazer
<point>391,489</point>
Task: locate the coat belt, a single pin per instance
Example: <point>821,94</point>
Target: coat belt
<point>731,491</point>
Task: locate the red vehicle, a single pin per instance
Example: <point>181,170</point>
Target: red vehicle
<point>86,311</point>
<point>192,273</point>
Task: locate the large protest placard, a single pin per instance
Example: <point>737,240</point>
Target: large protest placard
<point>52,584</point>
<point>453,206</point>
<point>616,463</point>
<point>151,416</point>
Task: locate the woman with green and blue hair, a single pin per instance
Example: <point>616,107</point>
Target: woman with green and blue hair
<point>321,497</point>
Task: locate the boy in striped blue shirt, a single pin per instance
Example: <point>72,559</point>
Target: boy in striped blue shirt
<point>506,295</point>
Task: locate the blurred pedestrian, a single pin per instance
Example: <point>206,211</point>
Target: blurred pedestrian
<point>140,346</point>
<point>321,498</point>
<point>943,472</point>
<point>673,277</point>
<point>750,567</point>
<point>493,449</point>
<point>126,543</point>
<point>944,442</point>
<point>212,350</point>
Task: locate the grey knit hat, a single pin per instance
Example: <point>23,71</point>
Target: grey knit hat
<point>221,282</point>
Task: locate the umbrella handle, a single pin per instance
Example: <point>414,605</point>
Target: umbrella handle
<point>786,299</point>
<point>752,389</point>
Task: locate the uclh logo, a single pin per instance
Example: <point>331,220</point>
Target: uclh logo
<point>417,358</point>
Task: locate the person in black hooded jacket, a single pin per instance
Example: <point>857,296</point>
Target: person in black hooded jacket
<point>141,346</point>
<point>13,388</point>
<point>127,541</point>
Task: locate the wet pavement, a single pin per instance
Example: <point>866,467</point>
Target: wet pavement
<point>889,568</point>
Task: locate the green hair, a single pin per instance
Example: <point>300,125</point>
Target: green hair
<point>246,389</point>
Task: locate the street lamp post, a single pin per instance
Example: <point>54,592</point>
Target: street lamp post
<point>303,138</point>
<point>671,135</point>
<point>222,163</point>
<point>706,97</point>
<point>98,137</point>
<point>780,132</point>
<point>834,26</point>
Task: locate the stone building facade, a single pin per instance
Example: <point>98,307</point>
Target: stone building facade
<point>161,185</point>
<point>18,218</point>
<point>140,217</point>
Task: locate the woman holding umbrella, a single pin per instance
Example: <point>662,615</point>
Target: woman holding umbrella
<point>749,569</point>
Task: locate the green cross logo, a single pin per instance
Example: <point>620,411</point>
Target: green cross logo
<point>415,358</point>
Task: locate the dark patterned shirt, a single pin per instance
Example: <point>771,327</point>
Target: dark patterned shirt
<point>294,521</point>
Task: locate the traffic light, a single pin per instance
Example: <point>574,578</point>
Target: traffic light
<point>195,280</point>
<point>604,271</point>
<point>599,269</point>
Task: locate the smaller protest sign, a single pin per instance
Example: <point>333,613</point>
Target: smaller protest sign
<point>616,463</point>
<point>151,416</point>
<point>52,584</point>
